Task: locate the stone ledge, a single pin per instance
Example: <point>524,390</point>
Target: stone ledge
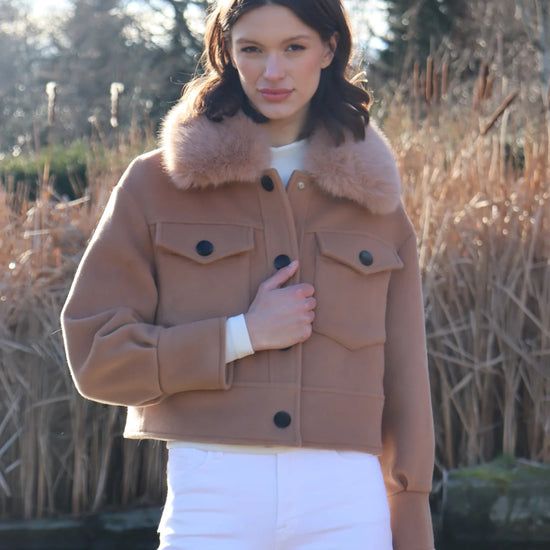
<point>506,501</point>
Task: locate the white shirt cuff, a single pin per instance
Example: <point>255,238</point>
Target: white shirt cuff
<point>237,340</point>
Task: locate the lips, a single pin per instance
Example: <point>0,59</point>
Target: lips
<point>275,95</point>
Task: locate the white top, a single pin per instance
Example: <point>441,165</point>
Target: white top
<point>285,160</point>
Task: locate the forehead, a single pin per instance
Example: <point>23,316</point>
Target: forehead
<point>271,22</point>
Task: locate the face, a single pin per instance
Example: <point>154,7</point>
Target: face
<point>279,60</point>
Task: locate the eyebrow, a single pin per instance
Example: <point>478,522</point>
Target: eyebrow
<point>291,39</point>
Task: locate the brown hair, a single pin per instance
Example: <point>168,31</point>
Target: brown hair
<point>338,102</point>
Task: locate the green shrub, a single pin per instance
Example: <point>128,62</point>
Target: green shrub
<point>67,174</point>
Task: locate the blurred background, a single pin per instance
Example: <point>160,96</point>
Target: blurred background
<point>461,90</point>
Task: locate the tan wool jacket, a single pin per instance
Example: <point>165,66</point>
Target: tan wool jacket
<point>190,232</point>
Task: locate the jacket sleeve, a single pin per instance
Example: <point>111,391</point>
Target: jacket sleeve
<point>116,352</point>
<point>407,427</point>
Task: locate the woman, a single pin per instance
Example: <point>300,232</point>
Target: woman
<point>252,295</point>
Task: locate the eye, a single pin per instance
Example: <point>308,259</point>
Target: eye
<point>295,48</point>
<point>250,49</point>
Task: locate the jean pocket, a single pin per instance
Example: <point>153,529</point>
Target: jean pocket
<point>185,460</point>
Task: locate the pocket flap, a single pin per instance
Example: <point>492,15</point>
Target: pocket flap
<point>204,243</point>
<point>363,253</point>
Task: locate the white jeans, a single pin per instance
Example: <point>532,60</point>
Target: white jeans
<point>303,499</point>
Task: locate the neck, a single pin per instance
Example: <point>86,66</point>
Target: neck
<point>283,132</point>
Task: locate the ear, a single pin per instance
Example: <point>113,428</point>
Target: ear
<point>330,49</point>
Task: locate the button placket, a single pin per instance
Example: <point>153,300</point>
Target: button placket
<point>281,246</point>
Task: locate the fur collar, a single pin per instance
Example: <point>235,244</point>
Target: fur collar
<point>199,153</point>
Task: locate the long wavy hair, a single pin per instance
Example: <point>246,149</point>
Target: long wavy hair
<point>338,103</point>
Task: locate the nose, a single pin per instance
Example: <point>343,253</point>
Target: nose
<point>273,69</point>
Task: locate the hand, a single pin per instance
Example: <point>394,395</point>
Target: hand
<point>281,317</point>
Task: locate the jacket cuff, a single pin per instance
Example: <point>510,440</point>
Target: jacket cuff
<point>411,521</point>
<point>192,357</point>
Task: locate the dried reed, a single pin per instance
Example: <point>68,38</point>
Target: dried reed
<point>483,216</point>
<point>58,452</point>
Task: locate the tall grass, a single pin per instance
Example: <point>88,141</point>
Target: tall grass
<point>58,452</point>
<point>476,185</point>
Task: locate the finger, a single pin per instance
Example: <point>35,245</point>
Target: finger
<point>311,304</point>
<point>303,290</point>
<point>306,333</point>
<point>308,290</point>
<point>281,276</point>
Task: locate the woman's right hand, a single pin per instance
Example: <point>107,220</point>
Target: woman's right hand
<point>280,317</point>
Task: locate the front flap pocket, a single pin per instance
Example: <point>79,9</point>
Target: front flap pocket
<point>352,275</point>
<point>204,243</point>
<point>203,270</point>
<point>365,254</point>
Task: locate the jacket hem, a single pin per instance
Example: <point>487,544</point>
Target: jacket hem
<point>166,437</point>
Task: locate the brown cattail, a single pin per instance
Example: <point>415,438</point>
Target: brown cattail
<point>482,79</point>
<point>51,91</point>
<point>436,86</point>
<point>429,77</point>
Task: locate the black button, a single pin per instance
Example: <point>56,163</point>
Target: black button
<point>267,183</point>
<point>282,260</point>
<point>204,248</point>
<point>282,419</point>
<point>365,257</point>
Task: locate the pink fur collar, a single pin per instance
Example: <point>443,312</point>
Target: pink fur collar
<point>198,153</point>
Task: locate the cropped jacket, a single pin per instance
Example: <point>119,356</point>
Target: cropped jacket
<point>190,232</point>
